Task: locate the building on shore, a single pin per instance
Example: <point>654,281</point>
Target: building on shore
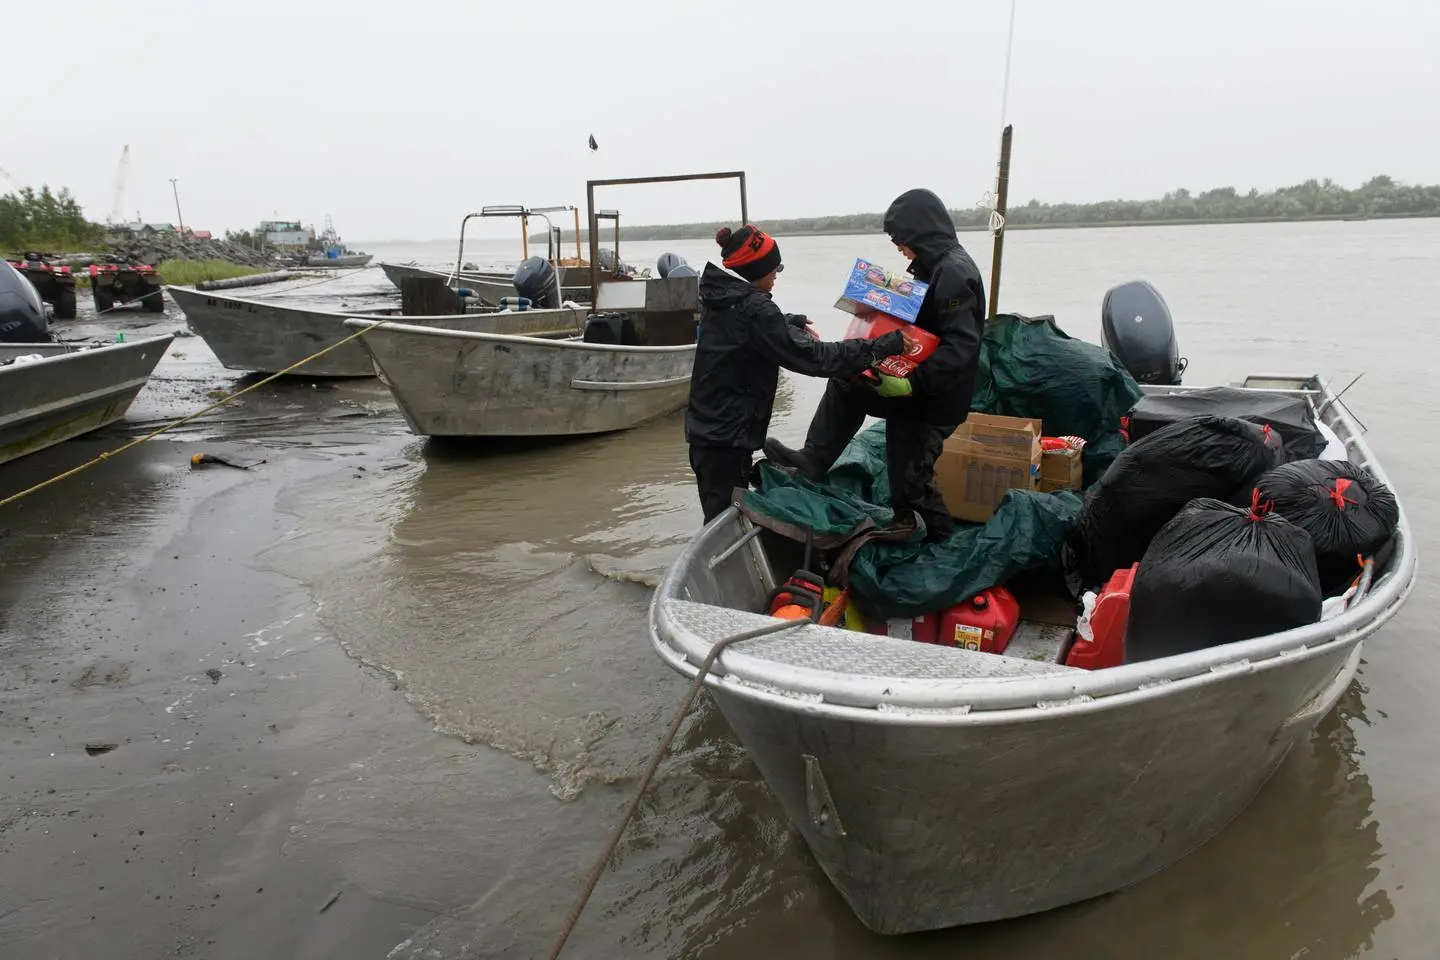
<point>286,233</point>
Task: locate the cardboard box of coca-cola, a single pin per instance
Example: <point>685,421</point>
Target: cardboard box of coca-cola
<point>919,344</point>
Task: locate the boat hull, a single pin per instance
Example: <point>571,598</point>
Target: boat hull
<point>70,393</point>
<point>267,337</point>
<point>451,383</point>
<point>348,261</point>
<point>955,825</point>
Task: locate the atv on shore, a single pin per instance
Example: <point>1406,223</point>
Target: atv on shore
<point>54,283</point>
<point>118,281</point>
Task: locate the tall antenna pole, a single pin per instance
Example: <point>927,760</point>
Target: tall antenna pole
<point>1002,180</point>
<point>997,219</point>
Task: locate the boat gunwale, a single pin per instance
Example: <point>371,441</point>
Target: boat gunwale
<point>357,323</point>
<point>878,698</point>
<point>341,316</point>
<point>84,348</point>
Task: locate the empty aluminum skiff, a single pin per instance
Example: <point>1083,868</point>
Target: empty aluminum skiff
<point>460,383</point>
<point>489,286</point>
<point>268,336</point>
<point>939,787</point>
<point>73,390</point>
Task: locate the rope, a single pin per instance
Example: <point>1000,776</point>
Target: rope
<point>336,275</point>
<point>613,843</point>
<point>183,420</point>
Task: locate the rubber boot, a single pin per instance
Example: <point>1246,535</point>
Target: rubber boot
<point>794,461</point>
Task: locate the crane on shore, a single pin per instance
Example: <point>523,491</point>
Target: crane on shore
<point>122,175</point>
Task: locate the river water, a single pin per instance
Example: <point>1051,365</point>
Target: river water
<point>503,589</point>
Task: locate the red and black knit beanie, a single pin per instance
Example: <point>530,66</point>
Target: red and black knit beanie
<point>748,251</point>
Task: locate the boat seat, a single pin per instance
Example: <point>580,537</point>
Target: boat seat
<point>836,651</point>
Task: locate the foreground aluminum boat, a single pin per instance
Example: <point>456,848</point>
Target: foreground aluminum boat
<point>75,389</point>
<point>938,787</point>
<point>268,336</point>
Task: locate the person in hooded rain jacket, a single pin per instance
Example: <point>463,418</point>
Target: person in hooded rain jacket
<point>922,410</point>
<point>744,340</point>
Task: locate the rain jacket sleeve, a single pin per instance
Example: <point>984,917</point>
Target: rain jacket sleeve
<point>955,325</point>
<point>783,341</point>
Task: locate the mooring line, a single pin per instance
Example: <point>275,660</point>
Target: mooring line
<point>186,419</point>
<point>613,843</point>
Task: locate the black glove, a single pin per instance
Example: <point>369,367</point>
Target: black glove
<point>892,344</point>
<point>796,319</point>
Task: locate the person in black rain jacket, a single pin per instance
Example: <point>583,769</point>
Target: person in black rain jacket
<point>744,341</point>
<point>924,409</point>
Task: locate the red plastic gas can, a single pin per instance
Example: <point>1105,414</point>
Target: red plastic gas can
<point>985,622</point>
<point>1107,625</point>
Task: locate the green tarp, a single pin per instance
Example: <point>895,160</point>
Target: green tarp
<point>1029,368</point>
<point>906,579</point>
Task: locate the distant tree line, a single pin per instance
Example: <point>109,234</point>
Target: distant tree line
<point>46,221</point>
<point>1380,196</point>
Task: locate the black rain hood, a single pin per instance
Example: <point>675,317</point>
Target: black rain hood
<point>721,289</point>
<point>918,219</point>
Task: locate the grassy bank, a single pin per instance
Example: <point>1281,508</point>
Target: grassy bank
<point>190,272</point>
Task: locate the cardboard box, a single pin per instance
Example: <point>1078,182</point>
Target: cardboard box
<point>983,459</point>
<point>919,344</point>
<point>1062,467</point>
<point>872,287</point>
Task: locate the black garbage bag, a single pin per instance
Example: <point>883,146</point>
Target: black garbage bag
<point>1029,367</point>
<point>1219,573</point>
<point>1345,508</point>
<point>1152,479</point>
<point>1289,414</point>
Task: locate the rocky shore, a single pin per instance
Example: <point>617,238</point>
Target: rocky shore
<point>156,248</point>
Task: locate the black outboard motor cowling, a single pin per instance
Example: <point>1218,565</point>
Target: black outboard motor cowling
<point>1135,325</point>
<point>23,318</point>
<point>668,262</point>
<point>535,281</point>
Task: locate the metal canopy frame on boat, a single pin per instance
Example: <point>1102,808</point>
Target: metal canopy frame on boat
<point>524,213</point>
<point>593,216</point>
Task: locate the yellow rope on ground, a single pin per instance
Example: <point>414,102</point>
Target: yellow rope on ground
<point>613,842</point>
<point>183,420</point>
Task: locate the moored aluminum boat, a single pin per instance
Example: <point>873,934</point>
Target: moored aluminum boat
<point>72,390</point>
<point>267,336</point>
<point>462,383</point>
<point>344,261</point>
<point>939,786</point>
<point>490,286</point>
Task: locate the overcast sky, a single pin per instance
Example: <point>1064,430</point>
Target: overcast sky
<point>397,118</point>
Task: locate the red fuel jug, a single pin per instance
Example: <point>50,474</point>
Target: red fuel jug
<point>985,622</point>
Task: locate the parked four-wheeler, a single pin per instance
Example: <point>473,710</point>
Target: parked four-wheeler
<point>55,284</point>
<point>116,281</point>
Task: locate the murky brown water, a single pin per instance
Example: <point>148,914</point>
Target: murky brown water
<point>494,582</point>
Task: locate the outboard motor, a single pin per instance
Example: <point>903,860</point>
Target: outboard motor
<point>1135,325</point>
<point>535,281</point>
<point>682,270</point>
<point>23,317</point>
<point>668,262</point>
